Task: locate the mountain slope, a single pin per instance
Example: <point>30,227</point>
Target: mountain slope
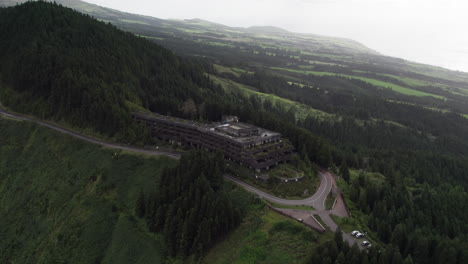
<point>75,204</point>
<point>280,50</point>
<point>218,32</point>
<point>59,64</point>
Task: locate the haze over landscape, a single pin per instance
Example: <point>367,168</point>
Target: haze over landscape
<point>430,31</point>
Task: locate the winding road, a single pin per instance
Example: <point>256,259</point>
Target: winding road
<point>167,153</point>
<point>317,200</point>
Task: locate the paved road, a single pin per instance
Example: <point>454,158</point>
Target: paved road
<point>168,153</point>
<point>317,200</point>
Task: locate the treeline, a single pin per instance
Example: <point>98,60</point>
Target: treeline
<point>191,207</point>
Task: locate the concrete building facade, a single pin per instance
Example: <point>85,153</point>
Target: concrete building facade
<point>249,145</point>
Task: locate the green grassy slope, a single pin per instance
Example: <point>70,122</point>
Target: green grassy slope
<point>62,200</point>
<point>301,111</point>
<point>396,88</point>
<point>266,237</point>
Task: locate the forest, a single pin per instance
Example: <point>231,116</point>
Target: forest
<point>191,207</point>
<point>60,65</point>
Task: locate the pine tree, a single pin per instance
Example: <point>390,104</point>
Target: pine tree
<point>344,171</point>
<point>140,208</point>
<point>408,260</point>
<point>338,238</point>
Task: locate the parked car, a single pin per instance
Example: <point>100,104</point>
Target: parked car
<point>359,235</point>
<point>354,233</point>
<point>300,220</point>
<point>366,244</point>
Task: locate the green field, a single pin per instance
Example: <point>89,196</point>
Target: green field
<point>429,108</point>
<point>306,72</point>
<point>189,30</point>
<point>213,43</point>
<point>72,201</point>
<point>134,21</point>
<point>301,111</point>
<point>149,37</point>
<point>394,87</point>
<point>231,70</point>
<point>265,237</point>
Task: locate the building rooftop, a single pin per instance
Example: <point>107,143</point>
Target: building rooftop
<point>236,131</point>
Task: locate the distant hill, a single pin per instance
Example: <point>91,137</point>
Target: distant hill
<point>180,28</point>
<point>267,29</point>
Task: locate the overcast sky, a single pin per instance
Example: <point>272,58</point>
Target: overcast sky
<point>427,31</point>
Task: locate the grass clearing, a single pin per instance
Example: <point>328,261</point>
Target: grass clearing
<point>187,30</point>
<point>133,21</point>
<point>219,44</point>
<point>234,71</point>
<point>300,207</point>
<point>394,87</point>
<point>407,81</point>
<point>289,190</point>
<point>301,111</point>
<point>265,237</point>
<point>429,108</point>
<point>285,171</point>
<point>299,84</point>
<point>149,37</point>
<point>319,219</point>
<point>329,201</point>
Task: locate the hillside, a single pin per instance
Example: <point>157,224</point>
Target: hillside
<point>395,130</point>
<point>59,64</point>
<point>79,204</point>
<point>191,29</point>
<point>82,72</point>
<point>75,204</point>
<point>299,59</point>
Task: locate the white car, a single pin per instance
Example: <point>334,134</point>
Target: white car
<point>366,244</point>
<point>359,235</point>
<point>354,233</point>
